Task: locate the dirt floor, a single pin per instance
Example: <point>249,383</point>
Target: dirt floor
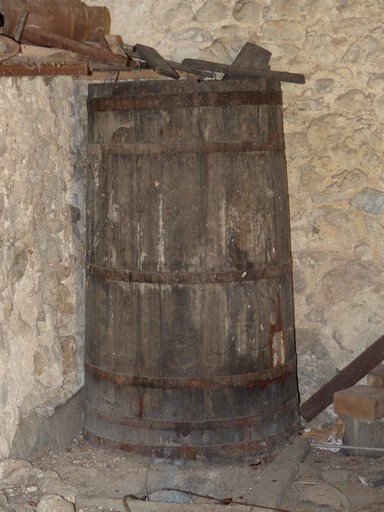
<point>98,480</point>
<point>359,479</point>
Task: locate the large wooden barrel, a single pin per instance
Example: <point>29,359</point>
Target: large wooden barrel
<point>189,313</point>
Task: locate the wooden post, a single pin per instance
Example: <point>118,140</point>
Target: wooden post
<point>349,376</point>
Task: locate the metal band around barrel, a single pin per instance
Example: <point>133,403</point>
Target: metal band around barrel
<point>193,425</point>
<point>188,451</point>
<point>257,379</point>
<point>176,101</point>
<point>272,143</point>
<point>187,278</point>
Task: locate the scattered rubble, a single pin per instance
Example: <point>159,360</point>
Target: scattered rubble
<point>88,479</point>
<point>15,472</point>
<point>375,479</point>
<point>82,45</point>
<point>54,503</point>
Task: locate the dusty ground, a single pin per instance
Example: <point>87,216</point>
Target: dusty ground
<point>342,473</point>
<point>98,480</point>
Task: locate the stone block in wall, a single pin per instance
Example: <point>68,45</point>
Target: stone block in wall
<point>284,8</point>
<point>282,30</point>
<point>212,10</point>
<point>246,11</point>
<point>65,423</point>
<point>49,428</point>
<point>369,200</point>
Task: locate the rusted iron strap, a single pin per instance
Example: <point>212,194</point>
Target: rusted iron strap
<point>272,143</point>
<point>248,380</point>
<point>187,278</point>
<point>194,425</point>
<point>259,446</point>
<point>176,101</point>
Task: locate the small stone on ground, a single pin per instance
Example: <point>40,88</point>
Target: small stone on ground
<point>54,503</point>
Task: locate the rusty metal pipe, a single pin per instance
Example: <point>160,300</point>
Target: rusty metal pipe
<point>70,19</point>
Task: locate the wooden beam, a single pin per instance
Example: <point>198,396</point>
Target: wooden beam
<point>362,402</point>
<point>253,57</point>
<point>349,376</point>
<point>155,61</point>
<point>42,38</point>
<point>239,71</point>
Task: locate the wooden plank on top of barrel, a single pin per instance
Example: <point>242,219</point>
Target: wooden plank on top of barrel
<point>253,56</point>
<point>240,71</point>
<point>155,61</point>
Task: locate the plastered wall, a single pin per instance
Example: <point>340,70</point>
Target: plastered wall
<point>334,139</point>
<point>41,255</point>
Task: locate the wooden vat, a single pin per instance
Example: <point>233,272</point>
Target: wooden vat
<point>189,313</point>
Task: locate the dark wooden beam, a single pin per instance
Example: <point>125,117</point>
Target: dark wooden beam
<point>41,38</point>
<point>155,61</point>
<point>251,56</point>
<point>239,71</point>
<point>349,376</point>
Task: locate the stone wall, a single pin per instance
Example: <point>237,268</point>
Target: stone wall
<point>41,256</point>
<point>334,137</point>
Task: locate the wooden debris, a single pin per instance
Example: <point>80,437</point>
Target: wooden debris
<point>74,32</point>
<point>8,48</point>
<point>155,61</point>
<point>36,53</point>
<point>251,56</point>
<point>362,402</point>
<point>19,29</point>
<point>188,69</point>
<point>115,44</point>
<point>239,71</point>
<point>129,50</point>
<point>347,377</point>
<point>331,434</point>
<point>42,38</point>
<point>373,479</point>
<point>102,41</point>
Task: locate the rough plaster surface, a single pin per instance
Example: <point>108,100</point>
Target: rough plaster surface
<point>40,252</point>
<point>334,137</point>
